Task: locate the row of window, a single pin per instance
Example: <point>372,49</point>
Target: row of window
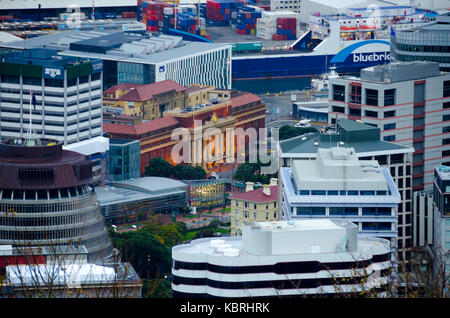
<point>371,95</point>
<point>283,268</point>
<point>343,192</point>
<point>343,211</point>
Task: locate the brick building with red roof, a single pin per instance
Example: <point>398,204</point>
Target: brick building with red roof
<point>148,101</point>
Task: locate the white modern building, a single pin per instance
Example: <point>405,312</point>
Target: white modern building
<point>275,259</point>
<point>366,141</point>
<point>409,102</point>
<point>338,185</point>
<point>142,59</point>
<point>61,97</point>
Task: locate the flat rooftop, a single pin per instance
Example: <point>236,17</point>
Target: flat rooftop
<point>400,71</point>
<point>116,46</point>
<point>138,189</point>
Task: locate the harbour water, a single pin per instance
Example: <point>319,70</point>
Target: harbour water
<point>276,85</point>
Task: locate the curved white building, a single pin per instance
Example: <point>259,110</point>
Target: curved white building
<point>296,258</point>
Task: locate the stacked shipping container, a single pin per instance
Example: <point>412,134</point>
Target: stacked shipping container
<point>286,29</point>
<point>218,12</point>
<point>268,28</point>
<point>246,21</point>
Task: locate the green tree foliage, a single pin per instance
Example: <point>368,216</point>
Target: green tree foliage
<point>149,257</point>
<point>251,172</point>
<point>158,167</point>
<point>168,234</point>
<point>287,131</point>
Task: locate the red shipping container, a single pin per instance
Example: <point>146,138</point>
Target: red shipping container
<point>240,32</point>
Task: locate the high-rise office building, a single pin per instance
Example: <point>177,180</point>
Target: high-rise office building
<point>60,96</point>
<point>366,141</point>
<point>409,102</point>
<point>47,198</point>
<point>339,185</point>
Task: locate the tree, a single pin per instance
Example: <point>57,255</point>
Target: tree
<point>287,131</point>
<point>251,172</point>
<point>158,167</point>
<point>149,256</point>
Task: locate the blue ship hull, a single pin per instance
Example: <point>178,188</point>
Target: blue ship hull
<point>350,59</point>
<point>291,66</point>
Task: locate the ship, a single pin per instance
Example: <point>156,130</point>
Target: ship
<point>348,43</point>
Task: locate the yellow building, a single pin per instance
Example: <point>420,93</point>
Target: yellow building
<point>148,101</point>
<point>254,205</point>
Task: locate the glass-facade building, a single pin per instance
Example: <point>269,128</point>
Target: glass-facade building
<point>123,160</point>
<point>427,43</point>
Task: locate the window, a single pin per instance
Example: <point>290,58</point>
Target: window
<point>354,111</point>
<point>371,97</point>
<point>389,138</point>
<point>389,97</point>
<point>355,94</point>
<point>389,126</point>
<point>446,117</point>
<point>372,114</point>
<point>446,153</point>
<point>446,105</point>
<point>339,109</point>
<point>339,92</point>
<point>446,141</point>
<point>445,129</point>
<point>446,92</point>
<point>389,114</point>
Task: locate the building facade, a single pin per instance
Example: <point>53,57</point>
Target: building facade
<point>366,140</point>
<point>424,43</point>
<point>220,111</point>
<point>254,205</point>
<point>133,201</point>
<point>147,101</point>
<point>339,185</point>
<point>409,102</point>
<point>123,160</point>
<point>47,198</point>
<point>441,226</point>
<point>63,96</point>
<point>275,259</point>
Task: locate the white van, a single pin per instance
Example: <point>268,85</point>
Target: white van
<point>303,123</point>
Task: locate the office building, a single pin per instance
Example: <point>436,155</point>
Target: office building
<point>142,59</point>
<point>366,141</point>
<point>134,200</point>
<point>424,43</point>
<point>66,103</point>
<point>339,185</point>
<point>441,234</point>
<point>123,160</point>
<point>254,205</point>
<point>276,259</point>
<point>47,198</point>
<point>409,102</point>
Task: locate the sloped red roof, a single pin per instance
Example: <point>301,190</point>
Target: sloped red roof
<point>244,99</point>
<point>123,86</point>
<point>145,92</point>
<point>257,195</point>
<point>141,128</point>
